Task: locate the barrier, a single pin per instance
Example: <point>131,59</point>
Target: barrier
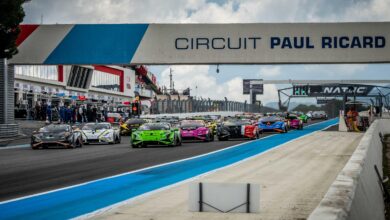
<point>184,115</point>
<point>356,192</point>
<point>224,197</point>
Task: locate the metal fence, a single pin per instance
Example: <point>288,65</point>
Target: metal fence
<point>203,105</point>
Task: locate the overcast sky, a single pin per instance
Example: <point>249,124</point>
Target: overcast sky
<point>228,82</point>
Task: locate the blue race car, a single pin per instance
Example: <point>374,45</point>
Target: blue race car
<point>273,123</point>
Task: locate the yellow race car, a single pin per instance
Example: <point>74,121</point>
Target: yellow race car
<point>132,123</point>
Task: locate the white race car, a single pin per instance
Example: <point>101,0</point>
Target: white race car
<point>100,133</point>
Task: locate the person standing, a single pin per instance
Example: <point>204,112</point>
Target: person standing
<point>49,113</point>
<point>94,113</point>
<point>68,116</point>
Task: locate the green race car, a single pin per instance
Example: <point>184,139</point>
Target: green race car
<point>303,117</point>
<point>161,133</point>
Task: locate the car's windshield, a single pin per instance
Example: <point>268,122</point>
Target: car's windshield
<point>135,121</point>
<point>191,124</point>
<point>291,117</point>
<point>154,126</point>
<point>55,128</point>
<point>270,119</point>
<point>92,126</point>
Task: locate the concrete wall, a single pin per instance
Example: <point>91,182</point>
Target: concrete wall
<point>356,193</point>
<point>184,115</point>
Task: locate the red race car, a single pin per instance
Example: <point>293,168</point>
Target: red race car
<point>237,128</point>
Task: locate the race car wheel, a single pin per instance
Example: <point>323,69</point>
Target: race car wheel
<point>207,139</point>
<point>174,143</point>
<point>223,138</point>
<point>135,146</point>
<point>79,143</point>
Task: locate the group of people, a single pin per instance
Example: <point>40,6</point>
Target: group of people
<point>67,113</point>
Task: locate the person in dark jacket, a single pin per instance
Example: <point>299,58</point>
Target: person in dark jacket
<point>68,115</point>
<point>48,113</point>
<point>62,114</point>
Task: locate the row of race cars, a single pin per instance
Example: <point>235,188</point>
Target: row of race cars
<point>169,131</point>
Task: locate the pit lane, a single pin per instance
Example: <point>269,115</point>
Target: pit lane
<point>24,171</point>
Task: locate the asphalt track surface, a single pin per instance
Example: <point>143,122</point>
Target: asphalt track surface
<point>86,198</point>
<point>24,171</point>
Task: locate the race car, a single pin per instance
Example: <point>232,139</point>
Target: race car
<point>303,117</point>
<point>132,123</point>
<point>273,123</point>
<point>100,133</point>
<point>237,128</point>
<point>319,115</point>
<point>294,122</point>
<point>156,133</point>
<point>56,135</point>
<point>195,130</point>
<point>208,120</point>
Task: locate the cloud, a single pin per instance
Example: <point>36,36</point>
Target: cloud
<point>339,70</point>
<point>217,11</point>
<point>220,11</point>
<point>203,84</point>
<point>269,71</point>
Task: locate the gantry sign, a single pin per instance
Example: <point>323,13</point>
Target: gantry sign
<point>265,43</point>
<point>333,90</point>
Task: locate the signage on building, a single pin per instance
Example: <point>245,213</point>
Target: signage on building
<point>251,43</point>
<point>257,88</point>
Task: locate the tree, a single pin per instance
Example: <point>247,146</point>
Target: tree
<point>11,15</point>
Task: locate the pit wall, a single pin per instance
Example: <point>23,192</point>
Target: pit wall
<point>356,193</point>
<point>191,114</point>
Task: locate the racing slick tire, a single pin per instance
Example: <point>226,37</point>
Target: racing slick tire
<point>79,143</point>
<point>223,138</point>
<point>208,138</point>
<point>118,140</point>
<point>174,143</point>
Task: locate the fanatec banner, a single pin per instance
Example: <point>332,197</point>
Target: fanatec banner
<point>332,90</point>
<point>263,43</point>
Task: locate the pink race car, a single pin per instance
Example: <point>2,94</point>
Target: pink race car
<point>195,130</point>
<point>294,122</point>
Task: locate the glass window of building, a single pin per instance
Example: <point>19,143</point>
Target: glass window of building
<point>37,71</point>
<point>107,81</point>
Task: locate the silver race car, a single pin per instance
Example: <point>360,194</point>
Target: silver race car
<point>100,133</point>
